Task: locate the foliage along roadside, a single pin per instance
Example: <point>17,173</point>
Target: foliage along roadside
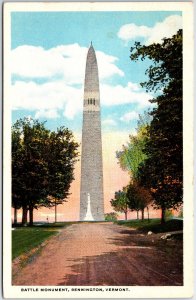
<point>42,166</point>
<point>154,156</point>
<point>162,171</point>
<point>153,225</point>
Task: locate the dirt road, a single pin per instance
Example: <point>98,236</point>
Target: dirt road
<point>104,254</point>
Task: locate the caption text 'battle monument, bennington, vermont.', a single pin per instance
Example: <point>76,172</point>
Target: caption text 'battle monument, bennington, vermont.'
<point>91,189</point>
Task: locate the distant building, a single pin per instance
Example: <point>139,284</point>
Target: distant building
<point>91,190</point>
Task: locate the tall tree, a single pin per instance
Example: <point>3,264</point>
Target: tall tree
<point>132,155</point>
<point>61,156</point>
<point>16,172</point>
<point>139,198</point>
<point>32,171</point>
<point>42,165</point>
<point>120,202</point>
<point>133,198</point>
<point>130,158</point>
<point>162,171</point>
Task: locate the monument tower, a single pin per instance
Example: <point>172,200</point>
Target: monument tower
<point>91,189</point>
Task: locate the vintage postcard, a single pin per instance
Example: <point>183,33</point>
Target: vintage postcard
<point>98,150</point>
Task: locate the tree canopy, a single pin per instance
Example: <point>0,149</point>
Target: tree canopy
<point>162,170</point>
<point>138,197</point>
<point>42,165</point>
<point>166,69</point>
<point>132,154</point>
<point>120,202</point>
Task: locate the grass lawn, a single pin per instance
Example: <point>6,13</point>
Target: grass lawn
<point>153,225</point>
<point>26,238</point>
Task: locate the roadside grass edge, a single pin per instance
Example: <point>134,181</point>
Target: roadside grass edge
<point>153,225</point>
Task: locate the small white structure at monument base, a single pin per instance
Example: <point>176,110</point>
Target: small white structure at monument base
<point>88,216</point>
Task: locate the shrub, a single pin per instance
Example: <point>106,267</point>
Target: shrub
<point>111,217</point>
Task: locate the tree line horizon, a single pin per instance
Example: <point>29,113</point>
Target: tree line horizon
<point>43,160</point>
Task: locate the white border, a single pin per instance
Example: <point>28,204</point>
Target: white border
<point>135,291</point>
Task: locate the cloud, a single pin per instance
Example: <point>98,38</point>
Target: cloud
<point>63,69</point>
<point>131,31</point>
<point>106,65</point>
<point>48,99</point>
<point>118,95</point>
<point>166,28</point>
<point>66,62</point>
<point>109,122</point>
<point>129,116</point>
<point>49,114</point>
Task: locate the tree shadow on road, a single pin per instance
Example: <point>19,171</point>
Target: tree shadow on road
<point>137,260</point>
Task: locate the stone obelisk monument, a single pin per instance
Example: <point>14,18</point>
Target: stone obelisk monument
<point>91,189</point>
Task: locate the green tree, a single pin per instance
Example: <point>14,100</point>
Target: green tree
<point>162,170</point>
<point>42,165</point>
<point>139,198</point>
<point>16,172</point>
<point>31,185</point>
<point>120,202</point>
<point>61,157</point>
<point>133,198</point>
<point>133,153</point>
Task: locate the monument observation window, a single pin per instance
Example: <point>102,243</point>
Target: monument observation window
<point>91,101</point>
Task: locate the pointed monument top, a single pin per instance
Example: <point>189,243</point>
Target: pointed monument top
<point>91,46</point>
<point>91,73</point>
<point>91,50</point>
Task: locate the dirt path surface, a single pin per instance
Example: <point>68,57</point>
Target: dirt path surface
<point>104,254</point>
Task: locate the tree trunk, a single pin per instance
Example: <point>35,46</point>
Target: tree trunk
<point>125,215</point>
<point>24,215</point>
<point>137,215</point>
<point>55,212</point>
<point>142,214</point>
<point>163,215</point>
<point>148,213</point>
<point>15,215</point>
<point>31,216</point>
